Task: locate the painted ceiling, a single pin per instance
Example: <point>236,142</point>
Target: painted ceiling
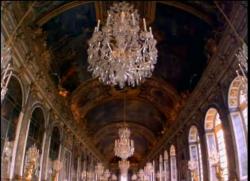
<point>182,30</point>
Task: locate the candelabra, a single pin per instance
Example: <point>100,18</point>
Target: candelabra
<point>6,158</point>
<point>84,175</point>
<point>100,174</point>
<point>99,169</point>
<point>215,162</point>
<point>142,176</point>
<point>113,177</point>
<point>32,157</point>
<point>160,175</point>
<point>192,166</point>
<point>149,171</point>
<point>57,166</point>
<point>106,174</point>
<point>90,176</point>
<point>124,166</point>
<point>121,53</point>
<point>134,177</point>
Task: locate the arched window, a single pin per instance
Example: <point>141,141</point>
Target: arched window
<point>166,164</point>
<point>75,164</point>
<point>53,149</point>
<point>83,163</point>
<point>10,111</point>
<point>215,142</point>
<point>237,103</point>
<point>195,150</point>
<point>54,144</point>
<point>66,173</point>
<point>173,163</point>
<point>36,129</point>
<point>36,132</point>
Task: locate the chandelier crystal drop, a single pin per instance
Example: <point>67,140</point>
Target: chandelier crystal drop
<point>121,53</point>
<point>124,147</point>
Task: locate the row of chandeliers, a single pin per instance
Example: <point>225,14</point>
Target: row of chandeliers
<point>121,54</point>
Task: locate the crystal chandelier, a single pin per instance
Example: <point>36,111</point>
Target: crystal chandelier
<point>121,53</point>
<point>124,147</point>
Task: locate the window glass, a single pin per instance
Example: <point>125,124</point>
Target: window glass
<point>238,105</point>
<point>10,111</point>
<point>195,151</point>
<point>216,142</point>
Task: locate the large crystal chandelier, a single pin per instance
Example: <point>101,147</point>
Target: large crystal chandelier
<point>121,53</point>
<point>124,147</point>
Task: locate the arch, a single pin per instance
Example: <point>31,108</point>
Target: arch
<point>172,150</point>
<point>195,150</point>
<point>38,105</point>
<point>54,124</point>
<point>165,155</point>
<point>215,142</point>
<point>193,134</point>
<point>35,132</point>
<point>11,107</point>
<point>19,80</point>
<point>234,92</point>
<point>238,108</point>
<point>36,127</point>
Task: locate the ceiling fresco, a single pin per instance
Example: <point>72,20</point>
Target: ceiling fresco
<point>182,30</point>
<point>67,38</point>
<point>181,47</point>
<point>181,39</point>
<point>135,111</point>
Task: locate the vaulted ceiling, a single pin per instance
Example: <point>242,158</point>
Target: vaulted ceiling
<point>181,29</point>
